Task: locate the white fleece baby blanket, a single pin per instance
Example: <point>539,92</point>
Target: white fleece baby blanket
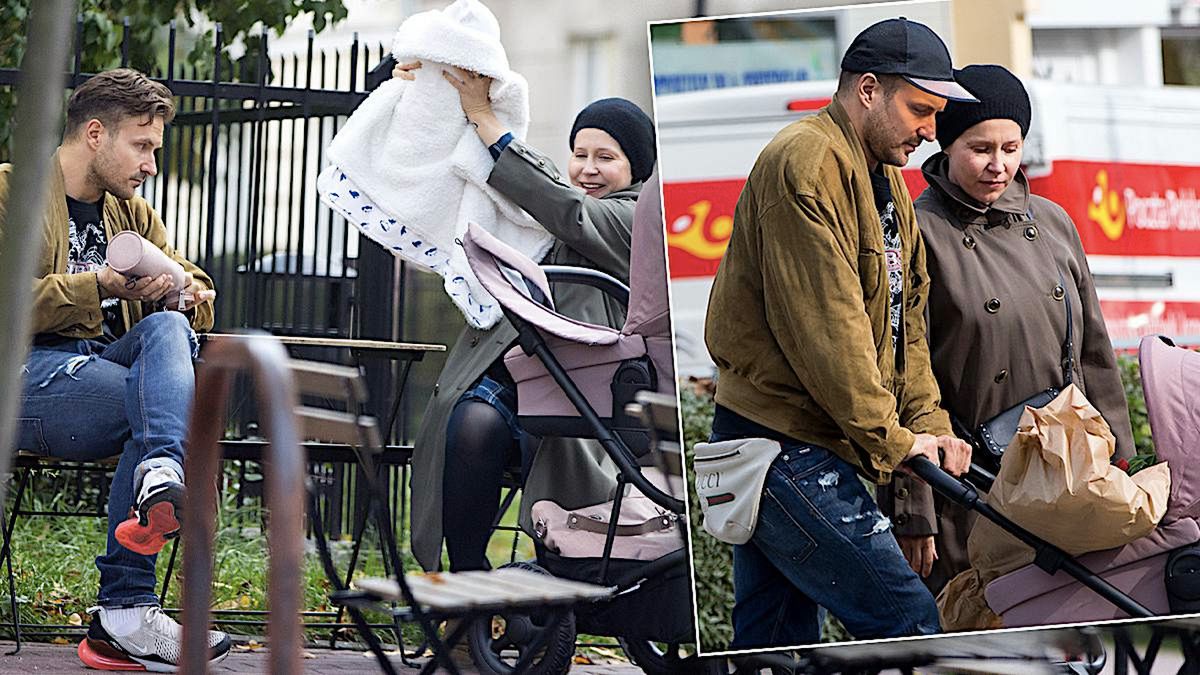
<point>410,172</point>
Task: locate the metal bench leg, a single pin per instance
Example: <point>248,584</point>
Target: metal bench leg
<point>170,569</point>
<point>6,553</point>
<point>360,526</point>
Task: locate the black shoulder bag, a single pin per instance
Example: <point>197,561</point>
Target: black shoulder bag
<point>991,437</point>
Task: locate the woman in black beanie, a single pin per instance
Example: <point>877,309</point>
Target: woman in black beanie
<point>469,433</point>
<point>1005,266</point>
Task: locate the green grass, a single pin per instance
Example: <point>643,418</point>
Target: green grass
<point>57,579</point>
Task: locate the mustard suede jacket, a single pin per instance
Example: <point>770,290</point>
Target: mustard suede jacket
<point>798,317</point>
<point>69,304</point>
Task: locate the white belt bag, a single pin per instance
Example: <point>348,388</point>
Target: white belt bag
<point>729,483</point>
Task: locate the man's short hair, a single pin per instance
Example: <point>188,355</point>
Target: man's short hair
<point>889,82</point>
<point>114,95</point>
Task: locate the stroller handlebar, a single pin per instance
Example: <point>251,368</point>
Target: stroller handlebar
<point>961,493</point>
<point>1049,558</point>
<point>605,283</point>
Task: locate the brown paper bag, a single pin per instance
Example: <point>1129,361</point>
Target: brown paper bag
<point>962,605</point>
<point>1055,480</point>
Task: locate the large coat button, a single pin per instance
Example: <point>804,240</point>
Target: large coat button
<point>992,306</point>
<point>901,493</point>
<point>902,519</point>
<point>969,242</point>
<point>474,340</point>
<point>1031,232</point>
<point>1059,292</point>
<point>1001,376</point>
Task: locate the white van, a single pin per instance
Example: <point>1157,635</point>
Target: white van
<point>1123,162</point>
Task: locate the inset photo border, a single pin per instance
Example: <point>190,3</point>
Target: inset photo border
<point>848,344</point>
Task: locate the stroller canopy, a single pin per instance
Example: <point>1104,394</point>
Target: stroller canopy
<point>1170,381</point>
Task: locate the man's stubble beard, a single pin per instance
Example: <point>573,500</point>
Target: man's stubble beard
<point>882,139</point>
<point>101,174</point>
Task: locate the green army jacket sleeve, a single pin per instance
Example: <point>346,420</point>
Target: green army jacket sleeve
<point>599,229</point>
<point>69,304</point>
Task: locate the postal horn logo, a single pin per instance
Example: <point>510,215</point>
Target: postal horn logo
<point>692,232</point>
<point>1107,209</point>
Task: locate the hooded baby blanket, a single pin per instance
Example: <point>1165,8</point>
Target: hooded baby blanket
<point>410,172</point>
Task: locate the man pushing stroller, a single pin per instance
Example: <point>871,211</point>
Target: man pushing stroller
<point>816,324</point>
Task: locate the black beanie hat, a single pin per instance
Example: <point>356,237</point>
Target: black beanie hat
<point>1001,96</point>
<point>628,125</point>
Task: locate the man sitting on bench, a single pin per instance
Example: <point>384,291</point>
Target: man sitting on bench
<point>110,371</point>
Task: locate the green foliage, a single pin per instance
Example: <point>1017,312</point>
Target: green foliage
<point>1131,379</point>
<point>713,561</point>
<point>103,33</point>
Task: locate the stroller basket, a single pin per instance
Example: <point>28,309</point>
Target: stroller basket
<point>651,606</point>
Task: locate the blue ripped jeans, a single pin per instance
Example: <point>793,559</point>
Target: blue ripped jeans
<point>83,401</point>
<point>821,542</point>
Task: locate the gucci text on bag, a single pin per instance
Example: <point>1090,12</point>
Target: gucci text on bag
<point>729,483</point>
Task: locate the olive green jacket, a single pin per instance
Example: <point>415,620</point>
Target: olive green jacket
<point>798,317</point>
<point>69,304</point>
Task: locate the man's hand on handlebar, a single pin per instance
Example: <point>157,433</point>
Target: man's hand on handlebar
<point>956,453</point>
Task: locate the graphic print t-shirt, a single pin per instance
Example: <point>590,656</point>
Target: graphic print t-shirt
<point>89,246</point>
<point>882,188</point>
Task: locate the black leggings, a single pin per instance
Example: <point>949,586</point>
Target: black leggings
<point>479,445</point>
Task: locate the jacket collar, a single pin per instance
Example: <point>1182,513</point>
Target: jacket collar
<point>842,119</point>
<point>1013,204</point>
<point>58,184</point>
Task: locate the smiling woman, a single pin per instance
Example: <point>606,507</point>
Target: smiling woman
<point>472,422</point>
<point>597,163</point>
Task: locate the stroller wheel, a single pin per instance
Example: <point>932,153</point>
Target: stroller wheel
<point>499,641</point>
<point>664,658</point>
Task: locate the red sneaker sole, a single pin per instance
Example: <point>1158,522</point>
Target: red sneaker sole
<point>150,538</point>
<point>102,657</point>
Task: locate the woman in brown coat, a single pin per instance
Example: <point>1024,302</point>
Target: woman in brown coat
<point>1004,265</point>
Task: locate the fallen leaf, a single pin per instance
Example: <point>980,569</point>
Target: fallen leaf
<point>75,619</point>
<point>244,601</point>
<point>60,640</point>
<point>581,660</point>
<point>309,655</point>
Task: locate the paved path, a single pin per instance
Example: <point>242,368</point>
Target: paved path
<point>50,658</point>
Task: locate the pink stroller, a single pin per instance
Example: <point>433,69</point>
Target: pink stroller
<point>575,379</point>
<point>1153,576</point>
<point>1028,596</point>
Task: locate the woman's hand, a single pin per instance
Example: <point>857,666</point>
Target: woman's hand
<point>473,91</point>
<point>403,71</point>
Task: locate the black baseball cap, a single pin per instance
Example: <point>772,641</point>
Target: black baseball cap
<point>909,49</point>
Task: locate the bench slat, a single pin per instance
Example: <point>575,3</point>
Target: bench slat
<point>508,587</point>
<point>329,380</point>
<point>336,427</point>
